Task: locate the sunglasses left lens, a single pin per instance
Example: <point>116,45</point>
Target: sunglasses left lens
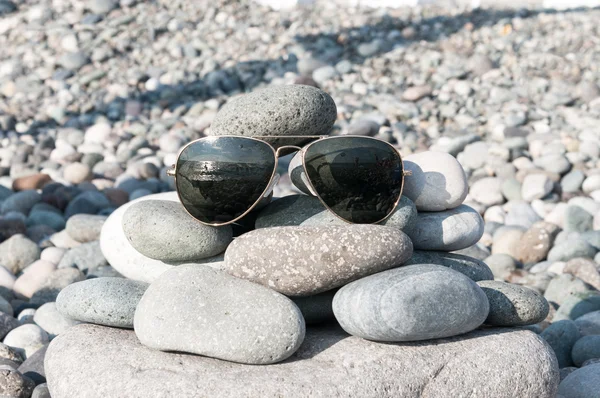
<point>221,178</point>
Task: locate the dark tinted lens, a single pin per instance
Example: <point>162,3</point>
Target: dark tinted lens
<point>360,179</point>
<point>220,178</point>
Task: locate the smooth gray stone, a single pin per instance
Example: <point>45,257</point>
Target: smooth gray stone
<point>406,304</point>
<point>404,217</point>
<point>572,181</point>
<point>289,210</point>
<point>41,391</point>
<point>302,261</point>
<point>163,230</point>
<point>105,301</point>
<point>329,364</point>
<point>513,305</point>
<point>587,347</point>
<point>85,227</point>
<point>502,265</point>
<point>57,281</point>
<point>33,367</point>
<point>296,173</point>
<point>577,305</point>
<point>21,202</point>
<point>571,248</point>
<point>316,309</point>
<point>17,252</point>
<point>204,311</point>
<point>53,322</point>
<point>477,251</point>
<point>577,219</point>
<point>279,110</point>
<point>561,336</point>
<point>448,230</point>
<point>14,385</point>
<point>85,257</point>
<point>49,218</point>
<point>589,323</point>
<point>7,323</point>
<point>561,287</point>
<point>582,383</point>
<point>475,269</point>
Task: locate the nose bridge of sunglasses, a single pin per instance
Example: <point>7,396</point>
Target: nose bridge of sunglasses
<point>286,150</point>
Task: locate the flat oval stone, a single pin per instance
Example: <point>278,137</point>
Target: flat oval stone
<point>105,301</point>
<point>582,383</point>
<point>404,217</point>
<point>302,261</point>
<point>587,347</point>
<point>407,304</point>
<point>561,336</point>
<point>200,310</point>
<point>278,110</point>
<point>513,305</point>
<point>329,364</point>
<point>571,248</point>
<point>448,230</point>
<point>475,269</point>
<point>163,230</point>
<point>437,183</point>
<point>85,227</point>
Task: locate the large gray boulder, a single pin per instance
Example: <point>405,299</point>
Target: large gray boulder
<point>90,360</point>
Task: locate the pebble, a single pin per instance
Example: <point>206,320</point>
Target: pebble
<point>86,257</point>
<point>377,307</point>
<point>289,210</point>
<point>501,264</point>
<point>584,269</point>
<point>7,323</point>
<point>473,268</point>
<point>104,301</point>
<point>101,6</point>
<point>536,186</point>
<point>164,231</point>
<point>570,249</point>
<point>561,336</point>
<point>300,110</point>
<point>576,219</point>
<point>589,324</point>
<point>562,286</point>
<point>447,230</point>
<point>513,305</point>
<point>41,391</point>
<point>487,191</point>
<point>32,278</point>
<point>76,173</point>
<point>79,362</point>
<point>21,202</point>
<point>14,385</point>
<point>220,317</point>
<point>315,259</point>
<point>18,252</point>
<point>56,281</point>
<point>577,305</point>
<point>51,320</point>
<point>26,339</point>
<point>582,383</point>
<point>33,367</point>
<point>85,227</point>
<point>35,181</point>
<point>437,183</point>
<point>534,245</point>
<point>587,347</point>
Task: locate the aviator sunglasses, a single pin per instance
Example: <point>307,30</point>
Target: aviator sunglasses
<point>220,179</point>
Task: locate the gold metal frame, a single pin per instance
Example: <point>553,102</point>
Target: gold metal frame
<point>276,153</point>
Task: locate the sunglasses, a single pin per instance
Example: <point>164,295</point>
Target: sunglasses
<point>220,179</point>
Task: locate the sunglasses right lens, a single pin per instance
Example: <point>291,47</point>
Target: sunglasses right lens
<point>358,178</point>
<point>221,178</point>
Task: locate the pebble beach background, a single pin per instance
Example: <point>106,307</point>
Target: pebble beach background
<point>497,112</point>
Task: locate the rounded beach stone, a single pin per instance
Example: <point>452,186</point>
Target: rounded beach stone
<point>14,385</point>
<point>21,202</point>
<point>587,347</point>
<point>41,391</point>
<point>56,281</point>
<point>85,257</point>
<point>105,301</point>
<point>329,364</point>
<point>33,367</point>
<point>448,230</point>
<point>218,316</point>
<point>562,286</point>
<point>513,305</point>
<point>403,304</point>
<point>403,217</point>
<point>9,353</point>
<point>53,322</point>
<point>163,230</point>
<point>17,252</point>
<point>571,248</point>
<point>7,323</point>
<point>35,181</point>
<point>121,255</point>
<point>584,269</point>
<point>278,110</point>
<point>536,186</point>
<point>437,183</point>
<point>561,336</point>
<point>85,227</point>
<point>582,383</point>
<point>475,269</point>
<point>26,339</point>
<point>502,265</point>
<point>32,278</point>
<point>535,243</point>
<point>302,261</point>
<point>487,191</point>
<point>289,210</point>
<point>578,304</point>
<point>589,323</point>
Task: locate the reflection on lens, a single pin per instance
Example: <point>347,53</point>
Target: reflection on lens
<point>358,178</point>
<point>220,178</point>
